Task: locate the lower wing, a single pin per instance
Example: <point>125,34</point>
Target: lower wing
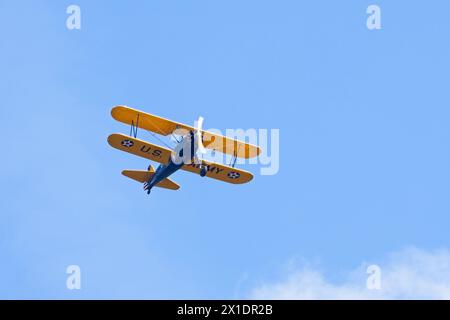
<point>140,148</point>
<point>162,155</point>
<point>221,172</point>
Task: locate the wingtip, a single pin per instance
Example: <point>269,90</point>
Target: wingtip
<point>250,177</point>
<point>110,138</point>
<point>115,110</point>
<point>258,150</point>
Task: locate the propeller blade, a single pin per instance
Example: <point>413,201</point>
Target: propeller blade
<point>198,134</point>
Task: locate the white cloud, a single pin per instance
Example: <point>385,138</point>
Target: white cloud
<point>409,274</point>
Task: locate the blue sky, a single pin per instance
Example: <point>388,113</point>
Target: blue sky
<point>364,142</point>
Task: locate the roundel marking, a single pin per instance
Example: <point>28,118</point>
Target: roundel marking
<point>127,143</point>
<point>234,175</point>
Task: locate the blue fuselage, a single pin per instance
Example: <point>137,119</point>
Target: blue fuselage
<point>165,170</point>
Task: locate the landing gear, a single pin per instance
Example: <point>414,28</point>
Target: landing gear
<point>203,170</point>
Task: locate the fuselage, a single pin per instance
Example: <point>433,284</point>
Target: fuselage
<point>165,170</point>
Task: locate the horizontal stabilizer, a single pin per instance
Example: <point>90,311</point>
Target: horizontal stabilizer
<point>144,176</point>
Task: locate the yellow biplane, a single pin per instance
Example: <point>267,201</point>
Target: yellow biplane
<point>183,156</point>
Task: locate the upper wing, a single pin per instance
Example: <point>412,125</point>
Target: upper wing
<point>221,172</point>
<point>165,127</point>
<point>144,120</point>
<point>140,148</point>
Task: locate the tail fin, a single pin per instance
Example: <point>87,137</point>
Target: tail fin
<point>144,176</point>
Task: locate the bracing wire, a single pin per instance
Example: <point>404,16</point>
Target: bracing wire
<point>159,139</point>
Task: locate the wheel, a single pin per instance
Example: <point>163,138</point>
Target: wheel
<point>203,171</point>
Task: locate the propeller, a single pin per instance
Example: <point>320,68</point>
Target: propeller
<point>199,141</point>
<point>191,141</point>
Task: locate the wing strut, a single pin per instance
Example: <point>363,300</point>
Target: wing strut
<point>134,127</point>
<point>233,161</point>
